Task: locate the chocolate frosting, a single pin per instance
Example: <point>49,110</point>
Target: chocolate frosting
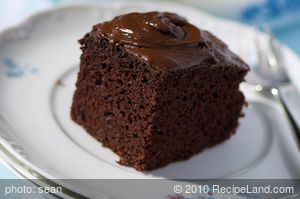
<point>165,40</point>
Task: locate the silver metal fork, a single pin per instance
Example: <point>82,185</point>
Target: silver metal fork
<point>271,80</point>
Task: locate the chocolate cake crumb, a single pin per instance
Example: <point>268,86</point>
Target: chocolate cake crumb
<point>155,89</point>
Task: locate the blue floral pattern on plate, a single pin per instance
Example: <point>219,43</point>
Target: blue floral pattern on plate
<point>14,70</point>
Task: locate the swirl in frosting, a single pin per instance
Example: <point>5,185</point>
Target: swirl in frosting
<point>163,39</point>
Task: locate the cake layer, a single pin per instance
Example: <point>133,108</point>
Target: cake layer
<point>156,100</point>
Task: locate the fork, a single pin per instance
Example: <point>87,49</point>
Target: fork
<point>271,80</point>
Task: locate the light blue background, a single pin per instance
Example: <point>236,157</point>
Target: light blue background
<point>290,36</point>
<point>282,15</point>
<point>5,173</point>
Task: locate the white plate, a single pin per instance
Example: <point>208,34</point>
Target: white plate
<point>38,65</point>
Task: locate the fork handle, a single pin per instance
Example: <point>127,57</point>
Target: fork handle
<point>289,97</point>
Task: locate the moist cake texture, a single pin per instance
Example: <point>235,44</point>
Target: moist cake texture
<point>155,89</point>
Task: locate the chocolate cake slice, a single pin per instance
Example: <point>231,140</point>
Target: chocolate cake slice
<point>155,89</point>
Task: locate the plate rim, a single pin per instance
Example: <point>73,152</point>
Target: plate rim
<point>10,154</point>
